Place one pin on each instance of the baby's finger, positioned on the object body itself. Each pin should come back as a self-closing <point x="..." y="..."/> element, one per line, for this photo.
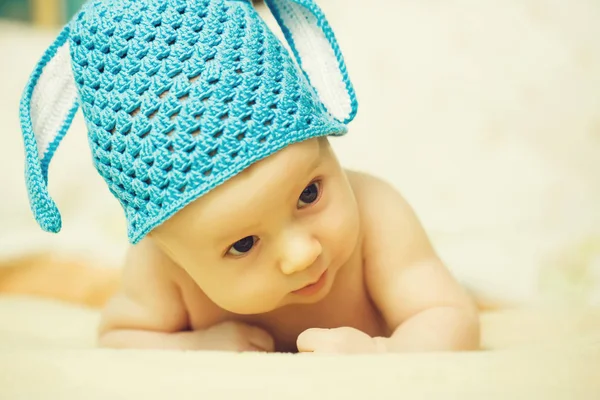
<point x="313" y="340"/>
<point x="260" y="339"/>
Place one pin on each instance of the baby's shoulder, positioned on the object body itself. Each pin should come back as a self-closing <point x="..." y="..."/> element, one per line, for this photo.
<point x="148" y="259"/>
<point x="151" y="270"/>
<point x="379" y="202"/>
<point x="371" y="191"/>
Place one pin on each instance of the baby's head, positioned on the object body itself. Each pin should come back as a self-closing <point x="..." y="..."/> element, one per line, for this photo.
<point x="204" y="127"/>
<point x="277" y="227"/>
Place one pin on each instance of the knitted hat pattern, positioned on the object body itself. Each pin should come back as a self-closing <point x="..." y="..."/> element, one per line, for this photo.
<point x="179" y="96"/>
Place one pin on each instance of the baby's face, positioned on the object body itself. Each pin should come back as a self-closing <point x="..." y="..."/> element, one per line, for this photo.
<point x="286" y="222"/>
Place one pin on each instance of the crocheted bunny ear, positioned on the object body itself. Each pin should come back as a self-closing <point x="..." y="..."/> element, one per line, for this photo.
<point x="47" y="108"/>
<point x="317" y="52"/>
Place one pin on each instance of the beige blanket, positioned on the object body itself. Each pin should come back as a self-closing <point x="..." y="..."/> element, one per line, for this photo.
<point x="47" y="352"/>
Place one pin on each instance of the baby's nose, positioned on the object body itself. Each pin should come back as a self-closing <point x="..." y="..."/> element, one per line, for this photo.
<point x="300" y="253"/>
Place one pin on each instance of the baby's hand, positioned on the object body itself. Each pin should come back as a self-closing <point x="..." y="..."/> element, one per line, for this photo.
<point x="234" y="336"/>
<point x="337" y="340"/>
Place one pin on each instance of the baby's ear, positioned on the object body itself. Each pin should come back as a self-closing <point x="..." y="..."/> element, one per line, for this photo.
<point x="318" y="54"/>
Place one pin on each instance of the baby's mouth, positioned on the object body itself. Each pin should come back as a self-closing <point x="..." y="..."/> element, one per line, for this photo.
<point x="313" y="288"/>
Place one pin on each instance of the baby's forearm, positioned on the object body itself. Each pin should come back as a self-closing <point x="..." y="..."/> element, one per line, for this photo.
<point x="224" y="336"/>
<point x="436" y="329"/>
<point x="140" y="339"/>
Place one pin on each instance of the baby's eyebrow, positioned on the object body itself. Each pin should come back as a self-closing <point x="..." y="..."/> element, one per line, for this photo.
<point x="311" y="164"/>
<point x="231" y="235"/>
<point x="316" y="161"/>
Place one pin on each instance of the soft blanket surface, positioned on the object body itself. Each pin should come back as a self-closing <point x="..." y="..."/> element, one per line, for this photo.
<point x="47" y="351"/>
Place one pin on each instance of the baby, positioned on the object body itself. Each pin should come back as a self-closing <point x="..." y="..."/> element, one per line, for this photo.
<point x="247" y="234"/>
<point x="293" y="253"/>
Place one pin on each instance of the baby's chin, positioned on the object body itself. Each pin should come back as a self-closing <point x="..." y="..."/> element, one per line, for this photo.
<point x="252" y="306"/>
<point x="289" y="299"/>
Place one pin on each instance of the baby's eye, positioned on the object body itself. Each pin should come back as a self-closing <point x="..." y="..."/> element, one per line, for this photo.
<point x="243" y="246"/>
<point x="309" y="195"/>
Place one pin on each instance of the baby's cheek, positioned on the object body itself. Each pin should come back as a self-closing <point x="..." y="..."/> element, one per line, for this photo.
<point x="241" y="294"/>
<point x="341" y="221"/>
<point x="340" y="232"/>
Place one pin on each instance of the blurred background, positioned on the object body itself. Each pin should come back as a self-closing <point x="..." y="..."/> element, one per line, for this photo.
<point x="485" y="115"/>
<point x="48" y="13"/>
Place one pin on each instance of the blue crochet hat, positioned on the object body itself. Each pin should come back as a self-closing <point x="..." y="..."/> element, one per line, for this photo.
<point x="178" y="96"/>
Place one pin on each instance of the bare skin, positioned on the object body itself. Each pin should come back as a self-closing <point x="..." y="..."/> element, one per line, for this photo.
<point x="224" y="272"/>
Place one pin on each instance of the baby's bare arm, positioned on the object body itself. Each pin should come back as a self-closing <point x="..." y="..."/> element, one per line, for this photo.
<point x="148" y="307"/>
<point x="420" y="300"/>
<point x="149" y="312"/>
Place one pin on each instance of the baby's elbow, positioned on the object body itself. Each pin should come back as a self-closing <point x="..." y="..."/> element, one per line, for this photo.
<point x="112" y="320"/>
<point x="105" y="340"/>
<point x="116" y="339"/>
<point x="469" y="325"/>
<point x="462" y="327"/>
<point x="107" y="334"/>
